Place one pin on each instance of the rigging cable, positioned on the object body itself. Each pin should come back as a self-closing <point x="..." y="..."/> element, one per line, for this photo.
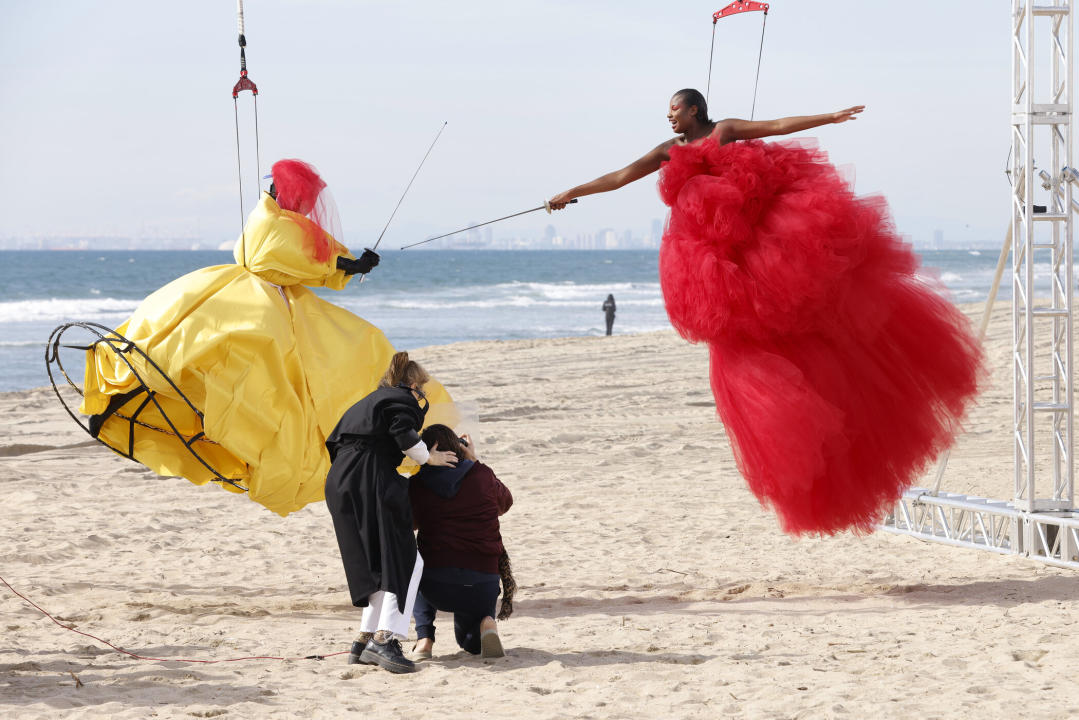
<point x="735" y="8"/>
<point x="760" y="54"/>
<point x="159" y="659"/>
<point x="711" y="54"/>
<point x="244" y="83"/>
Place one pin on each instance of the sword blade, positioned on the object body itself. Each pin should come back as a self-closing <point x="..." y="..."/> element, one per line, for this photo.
<point x="544" y="206"/>
<point x="409" y="186"/>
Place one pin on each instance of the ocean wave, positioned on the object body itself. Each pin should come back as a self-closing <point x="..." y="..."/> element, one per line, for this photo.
<point x="570" y="290"/>
<point x="21" y="343"/>
<point x="558" y="331"/>
<point x="495" y="303"/>
<point x="60" y="310"/>
<point x="966" y="295"/>
<point x="435" y="304"/>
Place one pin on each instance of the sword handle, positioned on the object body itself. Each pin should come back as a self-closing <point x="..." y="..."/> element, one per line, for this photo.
<point x="547" y="204"/>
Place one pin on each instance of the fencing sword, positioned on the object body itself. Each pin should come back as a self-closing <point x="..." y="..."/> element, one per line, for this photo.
<point x="407" y="188"/>
<point x="545" y="206"/>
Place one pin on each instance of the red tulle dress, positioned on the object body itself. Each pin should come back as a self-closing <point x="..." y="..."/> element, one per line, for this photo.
<point x="838" y="372"/>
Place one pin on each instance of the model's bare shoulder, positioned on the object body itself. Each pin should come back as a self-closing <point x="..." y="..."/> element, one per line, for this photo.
<point x="662" y="152"/>
<point x="726" y="130"/>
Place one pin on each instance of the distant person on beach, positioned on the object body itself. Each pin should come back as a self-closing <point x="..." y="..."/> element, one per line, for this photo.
<point x="608" y="311"/>
<point x="816" y="322"/>
<point x="368" y="501"/>
<point x="456" y="510"/>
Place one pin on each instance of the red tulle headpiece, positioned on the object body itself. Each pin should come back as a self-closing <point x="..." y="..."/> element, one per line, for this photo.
<point x="301" y="190"/>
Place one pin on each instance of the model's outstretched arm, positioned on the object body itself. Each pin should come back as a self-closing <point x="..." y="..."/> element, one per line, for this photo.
<point x="645" y="165"/>
<point x="733" y="129"/>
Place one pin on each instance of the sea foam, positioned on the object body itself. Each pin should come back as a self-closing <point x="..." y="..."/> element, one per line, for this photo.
<point x="62" y="310"/>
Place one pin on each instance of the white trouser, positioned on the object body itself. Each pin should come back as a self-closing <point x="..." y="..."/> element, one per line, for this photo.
<point x="381" y="612"/>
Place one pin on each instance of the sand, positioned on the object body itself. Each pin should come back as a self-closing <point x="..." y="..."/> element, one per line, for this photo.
<point x="652" y="584"/>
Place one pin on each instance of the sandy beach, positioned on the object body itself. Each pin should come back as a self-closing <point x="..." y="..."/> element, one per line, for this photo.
<point x="652" y="584"/>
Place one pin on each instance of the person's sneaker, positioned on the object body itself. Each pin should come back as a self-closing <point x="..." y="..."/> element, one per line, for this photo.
<point x="356" y="653"/>
<point x="491" y="645"/>
<point x="387" y="655"/>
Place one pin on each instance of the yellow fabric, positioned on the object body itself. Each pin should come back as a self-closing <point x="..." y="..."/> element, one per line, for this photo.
<point x="271" y="366"/>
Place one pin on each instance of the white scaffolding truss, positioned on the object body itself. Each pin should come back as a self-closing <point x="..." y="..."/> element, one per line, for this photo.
<point x="1040" y="521"/>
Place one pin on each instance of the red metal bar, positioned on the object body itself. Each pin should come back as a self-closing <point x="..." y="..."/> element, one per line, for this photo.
<point x="739" y="6"/>
<point x="244" y="84"/>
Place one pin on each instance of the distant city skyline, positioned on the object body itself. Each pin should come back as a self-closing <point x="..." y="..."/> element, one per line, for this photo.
<point x="486" y="239"/>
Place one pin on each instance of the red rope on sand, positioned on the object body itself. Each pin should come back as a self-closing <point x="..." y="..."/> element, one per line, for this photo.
<point x="141" y="657"/>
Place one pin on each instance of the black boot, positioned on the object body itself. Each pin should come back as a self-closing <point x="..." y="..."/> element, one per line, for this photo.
<point x="354" y="655"/>
<point x="387" y="655"/>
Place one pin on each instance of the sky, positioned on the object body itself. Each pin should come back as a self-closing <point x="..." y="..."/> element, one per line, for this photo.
<point x="116" y="118"/>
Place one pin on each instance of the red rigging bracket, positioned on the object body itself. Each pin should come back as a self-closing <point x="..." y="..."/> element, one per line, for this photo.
<point x="739" y="6"/>
<point x="736" y="8"/>
<point x="244" y="83"/>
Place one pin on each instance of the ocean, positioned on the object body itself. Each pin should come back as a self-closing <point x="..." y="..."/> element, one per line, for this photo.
<point x="418" y="298"/>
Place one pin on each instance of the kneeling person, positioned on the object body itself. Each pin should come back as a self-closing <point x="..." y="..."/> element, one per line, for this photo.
<point x="456" y="511"/>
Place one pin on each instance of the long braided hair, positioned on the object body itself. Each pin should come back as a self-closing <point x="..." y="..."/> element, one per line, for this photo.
<point x="509" y="586"/>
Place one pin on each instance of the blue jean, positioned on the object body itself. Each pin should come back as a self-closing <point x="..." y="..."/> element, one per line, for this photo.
<point x="469" y="595"/>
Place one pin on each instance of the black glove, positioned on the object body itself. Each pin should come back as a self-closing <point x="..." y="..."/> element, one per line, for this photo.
<point x="361" y="266"/>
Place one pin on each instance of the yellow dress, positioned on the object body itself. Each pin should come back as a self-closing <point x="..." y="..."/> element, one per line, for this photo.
<point x="271" y="366"/>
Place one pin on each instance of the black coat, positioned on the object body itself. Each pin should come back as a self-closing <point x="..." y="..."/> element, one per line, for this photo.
<point x="368" y="498"/>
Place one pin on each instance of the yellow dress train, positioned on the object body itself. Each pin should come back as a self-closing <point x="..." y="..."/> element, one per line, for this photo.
<point x="270" y="364"/>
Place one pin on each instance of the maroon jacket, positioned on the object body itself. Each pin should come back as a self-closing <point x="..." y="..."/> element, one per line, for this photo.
<point x="456" y="512"/>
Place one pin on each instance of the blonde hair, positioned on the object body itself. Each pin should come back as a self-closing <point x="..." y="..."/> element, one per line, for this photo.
<point x="403" y="370"/>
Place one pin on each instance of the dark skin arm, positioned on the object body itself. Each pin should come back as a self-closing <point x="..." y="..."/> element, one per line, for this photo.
<point x="727" y="131"/>
<point x="645" y="165"/>
<point x="734" y="129"/>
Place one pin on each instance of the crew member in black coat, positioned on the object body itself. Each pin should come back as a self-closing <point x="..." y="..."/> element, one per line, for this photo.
<point x="368" y="501"/>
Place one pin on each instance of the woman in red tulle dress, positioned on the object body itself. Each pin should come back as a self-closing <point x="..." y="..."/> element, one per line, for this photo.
<point x="838" y="372"/>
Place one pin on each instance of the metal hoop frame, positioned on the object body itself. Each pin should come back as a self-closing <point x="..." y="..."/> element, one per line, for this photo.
<point x="125" y="348"/>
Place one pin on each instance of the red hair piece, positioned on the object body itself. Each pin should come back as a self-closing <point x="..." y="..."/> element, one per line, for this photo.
<point x="302" y="190"/>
